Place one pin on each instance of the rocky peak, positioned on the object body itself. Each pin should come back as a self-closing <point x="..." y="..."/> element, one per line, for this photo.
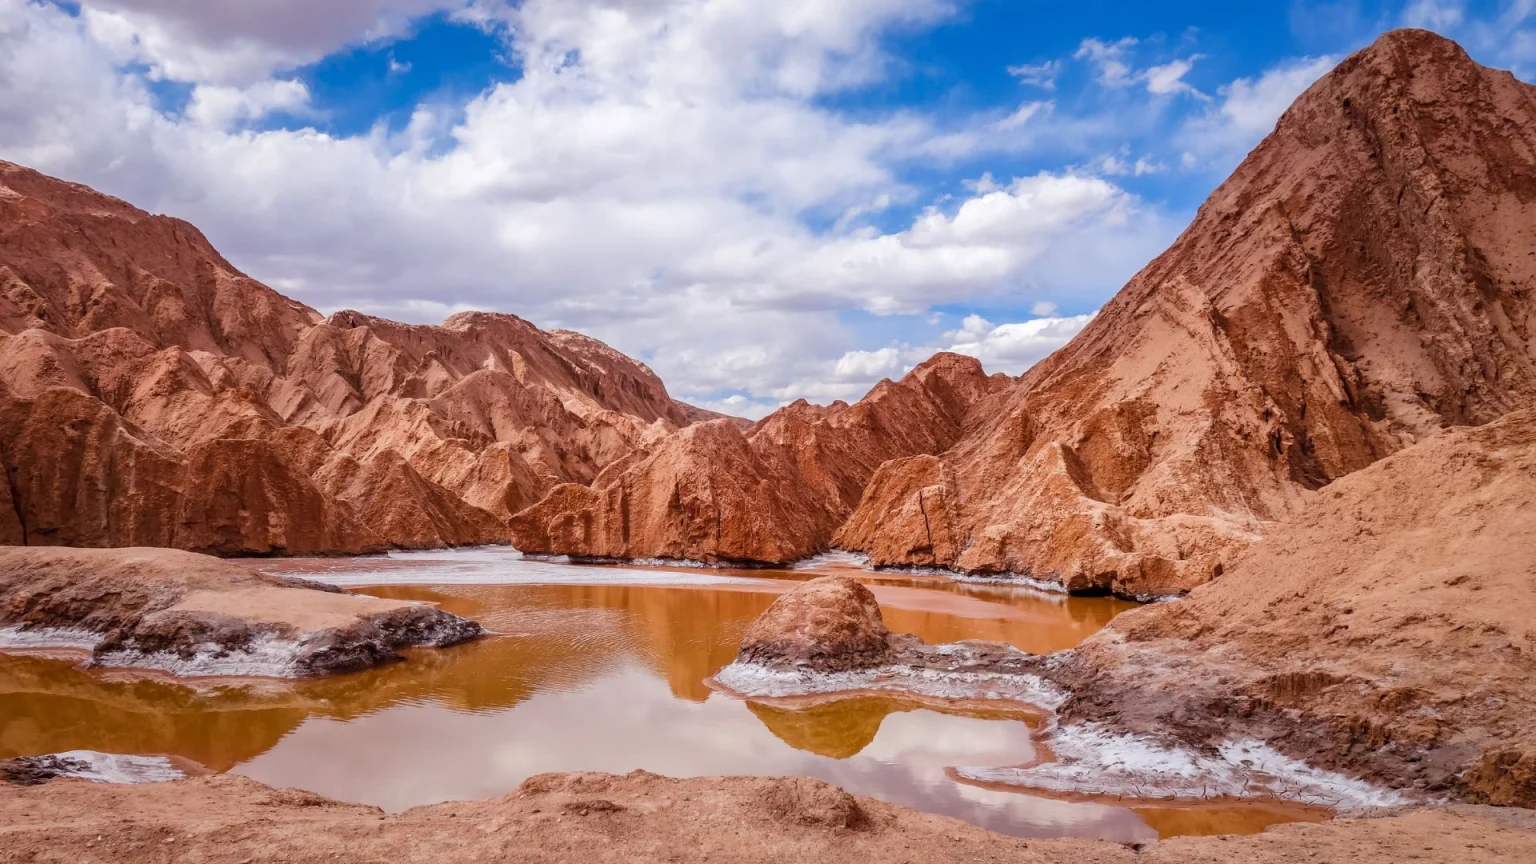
<point x="1363" y="280"/>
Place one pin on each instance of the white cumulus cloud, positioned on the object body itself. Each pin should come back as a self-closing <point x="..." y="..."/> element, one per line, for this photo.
<point x="1013" y="347"/>
<point x="1168" y="79"/>
<point x="223" y="107"/>
<point x="651" y="177"/>
<point x="1434" y="14"/>
<point x="1246" y="111"/>
<point x="1042" y="75"/>
<point x="1110" y="58"/>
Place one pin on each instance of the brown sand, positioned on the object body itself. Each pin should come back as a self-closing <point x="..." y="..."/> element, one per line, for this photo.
<point x="643" y="817"/>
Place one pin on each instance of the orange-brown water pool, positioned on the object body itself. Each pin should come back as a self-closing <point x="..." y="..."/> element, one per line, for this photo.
<point x="601" y="677"/>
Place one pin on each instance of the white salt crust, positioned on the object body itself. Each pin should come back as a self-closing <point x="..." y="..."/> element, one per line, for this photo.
<point x="267" y="657"/>
<point x="48" y="637"/>
<point x="1092" y="761"/>
<point x="501" y="565"/>
<point x="754" y="680"/>
<point x="855" y="559"/>
<point x="1018" y="580"/>
<point x="834" y="558"/>
<point x="117" y="768"/>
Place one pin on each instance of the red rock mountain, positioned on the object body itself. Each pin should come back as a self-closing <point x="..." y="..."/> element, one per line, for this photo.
<point x="772" y="493"/>
<point x="152" y="395"/>
<point x="1364" y="280"/>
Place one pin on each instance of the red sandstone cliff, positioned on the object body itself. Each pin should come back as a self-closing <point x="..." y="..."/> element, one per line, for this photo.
<point x="1363" y="280"/>
<point x="150" y="394"/>
<point x="769" y="494"/>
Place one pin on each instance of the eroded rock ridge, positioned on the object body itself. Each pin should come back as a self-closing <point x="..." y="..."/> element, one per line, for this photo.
<point x="153" y="395"/>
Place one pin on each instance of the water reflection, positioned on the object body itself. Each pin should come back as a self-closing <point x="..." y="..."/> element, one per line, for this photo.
<point x="603" y="677"/>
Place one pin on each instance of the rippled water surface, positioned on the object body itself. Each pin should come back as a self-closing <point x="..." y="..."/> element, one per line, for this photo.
<point x="601" y="669"/>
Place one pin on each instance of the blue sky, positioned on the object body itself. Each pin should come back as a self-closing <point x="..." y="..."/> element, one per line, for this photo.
<point x="763" y="201"/>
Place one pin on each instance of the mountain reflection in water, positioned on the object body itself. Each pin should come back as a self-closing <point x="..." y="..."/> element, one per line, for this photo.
<point x="599" y="677"/>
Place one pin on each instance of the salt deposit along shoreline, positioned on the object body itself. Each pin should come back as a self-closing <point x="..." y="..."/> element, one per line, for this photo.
<point x="1086" y="760"/>
<point x="194" y="615"/>
<point x="827" y="638"/>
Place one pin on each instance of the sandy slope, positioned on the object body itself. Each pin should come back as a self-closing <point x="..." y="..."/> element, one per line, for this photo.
<point x="1387" y="631"/>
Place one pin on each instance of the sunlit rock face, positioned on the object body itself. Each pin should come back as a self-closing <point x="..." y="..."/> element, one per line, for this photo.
<point x="770" y="494"/>
<point x="1362" y="281"/>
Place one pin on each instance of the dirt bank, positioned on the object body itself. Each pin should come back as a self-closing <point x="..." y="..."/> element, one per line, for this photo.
<point x="1386" y="632"/>
<point x="194" y="615"/>
<point x="643" y="817"/>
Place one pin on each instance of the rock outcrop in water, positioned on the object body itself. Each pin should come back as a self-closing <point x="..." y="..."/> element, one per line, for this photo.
<point x="831" y="624"/>
<point x="1364" y="279"/>
<point x="1386" y="630"/>
<point x="194" y="615"/>
<point x="152" y="395"/>
<point x="827" y="638"/>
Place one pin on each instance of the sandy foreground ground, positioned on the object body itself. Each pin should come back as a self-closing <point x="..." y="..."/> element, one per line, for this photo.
<point x="643" y="817"/>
